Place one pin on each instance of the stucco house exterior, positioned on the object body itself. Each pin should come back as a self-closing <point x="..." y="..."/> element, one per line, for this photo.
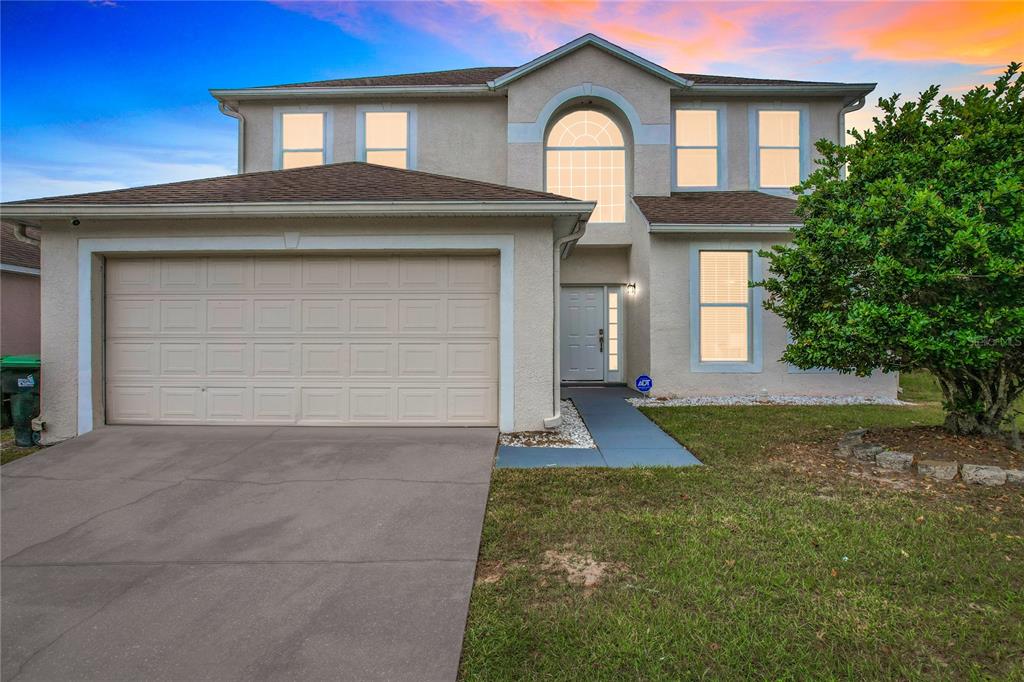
<point x="442" y="248"/>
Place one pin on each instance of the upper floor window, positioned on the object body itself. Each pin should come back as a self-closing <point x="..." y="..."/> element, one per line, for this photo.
<point x="779" y="149"/>
<point x="699" y="162"/>
<point x="386" y="138"/>
<point x="302" y="140"/>
<point x="585" y="158"/>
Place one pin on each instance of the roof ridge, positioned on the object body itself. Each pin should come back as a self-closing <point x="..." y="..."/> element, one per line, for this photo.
<point x="384" y="75"/>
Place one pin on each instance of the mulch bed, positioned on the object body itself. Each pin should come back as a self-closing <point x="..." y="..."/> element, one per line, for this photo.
<point x="934" y="442"/>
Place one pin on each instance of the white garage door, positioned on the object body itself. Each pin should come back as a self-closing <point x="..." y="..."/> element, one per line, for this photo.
<point x="338" y="340"/>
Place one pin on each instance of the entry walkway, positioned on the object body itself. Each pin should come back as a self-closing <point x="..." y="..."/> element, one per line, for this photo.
<point x="623" y="435"/>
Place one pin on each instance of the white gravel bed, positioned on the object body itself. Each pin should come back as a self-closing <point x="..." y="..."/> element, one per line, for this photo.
<point x="723" y="400"/>
<point x="572" y="433"/>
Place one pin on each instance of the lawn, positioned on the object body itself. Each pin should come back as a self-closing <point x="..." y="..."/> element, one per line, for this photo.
<point x="9" y="451"/>
<point x="750" y="567"/>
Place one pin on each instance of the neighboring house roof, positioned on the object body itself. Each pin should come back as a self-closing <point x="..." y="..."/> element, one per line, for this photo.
<point x="718" y="208"/>
<point x="15" y="252"/>
<point x="353" y="181"/>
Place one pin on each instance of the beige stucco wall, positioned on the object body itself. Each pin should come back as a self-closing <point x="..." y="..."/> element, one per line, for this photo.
<point x="670" y="338"/>
<point x="19" y="313"/>
<point x="534" y="299"/>
<point x="464" y="137"/>
<point x="596" y="265"/>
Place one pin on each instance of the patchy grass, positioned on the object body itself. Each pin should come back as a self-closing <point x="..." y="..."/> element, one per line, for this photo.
<point x="9" y="451"/>
<point x="921" y="387"/>
<point x="749" y="567"/>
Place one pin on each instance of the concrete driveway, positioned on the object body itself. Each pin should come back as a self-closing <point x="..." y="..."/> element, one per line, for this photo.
<point x="172" y="553"/>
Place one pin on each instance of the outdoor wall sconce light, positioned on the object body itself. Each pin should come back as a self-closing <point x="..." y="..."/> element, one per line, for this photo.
<point x="631" y="288"/>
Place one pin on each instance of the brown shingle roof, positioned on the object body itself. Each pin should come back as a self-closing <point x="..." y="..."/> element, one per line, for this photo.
<point x="352" y="181"/>
<point x="718" y="208"/>
<point x="482" y="74"/>
<point x="13" y="251"/>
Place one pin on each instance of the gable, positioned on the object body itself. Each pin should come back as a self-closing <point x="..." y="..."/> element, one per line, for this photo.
<point x="595" y="42"/>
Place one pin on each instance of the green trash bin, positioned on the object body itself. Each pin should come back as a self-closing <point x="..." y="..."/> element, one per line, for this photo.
<point x="19" y="383"/>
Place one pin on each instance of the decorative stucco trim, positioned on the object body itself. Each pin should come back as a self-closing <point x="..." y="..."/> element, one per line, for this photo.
<point x="20" y="269"/>
<point x="756" y="362"/>
<point x="601" y="44"/>
<point x="721" y="149"/>
<point x="643" y="133"/>
<point x="504" y="244"/>
<point x="328" y="115"/>
<point x="755" y="145"/>
<point x="411" y="123"/>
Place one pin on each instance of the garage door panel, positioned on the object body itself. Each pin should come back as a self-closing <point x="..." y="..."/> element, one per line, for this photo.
<point x="326" y="340"/>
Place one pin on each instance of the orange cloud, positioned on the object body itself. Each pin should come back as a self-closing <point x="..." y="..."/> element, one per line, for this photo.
<point x="962" y="32"/>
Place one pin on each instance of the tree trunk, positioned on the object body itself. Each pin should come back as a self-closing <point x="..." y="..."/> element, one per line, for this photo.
<point x="977" y="402"/>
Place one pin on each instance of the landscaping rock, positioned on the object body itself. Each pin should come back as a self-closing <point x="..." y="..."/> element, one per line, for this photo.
<point x="1014" y="476"/>
<point x="983" y="475"/>
<point x="866" y="452"/>
<point x="894" y="461"/>
<point x="937" y="469"/>
<point x="850" y="441"/>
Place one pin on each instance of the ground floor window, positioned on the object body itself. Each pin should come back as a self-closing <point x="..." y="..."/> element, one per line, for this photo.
<point x="613" y="330"/>
<point x="725" y="306"/>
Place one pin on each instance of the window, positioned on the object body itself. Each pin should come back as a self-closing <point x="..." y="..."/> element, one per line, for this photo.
<point x="613" y="330"/>
<point x="778" y="148"/>
<point x="386" y="140"/>
<point x="302" y="140"/>
<point x="725" y="306"/>
<point x="698" y="158"/>
<point x="586" y="159"/>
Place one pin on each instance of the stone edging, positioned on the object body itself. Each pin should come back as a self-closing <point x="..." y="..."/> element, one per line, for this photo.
<point x="852" y="446"/>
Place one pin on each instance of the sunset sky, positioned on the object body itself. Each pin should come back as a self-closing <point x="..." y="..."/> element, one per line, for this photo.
<point x="114" y="94"/>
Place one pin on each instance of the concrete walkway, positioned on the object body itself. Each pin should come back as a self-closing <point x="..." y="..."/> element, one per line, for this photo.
<point x="243" y="553"/>
<point x="623" y="435"/>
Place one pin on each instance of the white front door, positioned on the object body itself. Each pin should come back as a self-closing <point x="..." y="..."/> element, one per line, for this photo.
<point x="582" y="333"/>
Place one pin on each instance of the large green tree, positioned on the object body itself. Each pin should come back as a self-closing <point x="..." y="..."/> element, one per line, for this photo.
<point x="911" y="252"/>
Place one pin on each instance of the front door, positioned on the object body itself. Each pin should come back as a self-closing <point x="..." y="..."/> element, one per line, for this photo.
<point x="582" y="333"/>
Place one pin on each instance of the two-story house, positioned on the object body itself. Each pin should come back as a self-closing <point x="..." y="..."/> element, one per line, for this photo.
<point x="442" y="248"/>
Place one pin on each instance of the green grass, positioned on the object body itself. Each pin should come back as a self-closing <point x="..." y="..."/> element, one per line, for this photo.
<point x="9" y="451"/>
<point x="748" y="568"/>
<point x="920" y="387"/>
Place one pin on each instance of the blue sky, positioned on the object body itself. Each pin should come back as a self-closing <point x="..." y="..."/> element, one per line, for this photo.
<point x="103" y="95"/>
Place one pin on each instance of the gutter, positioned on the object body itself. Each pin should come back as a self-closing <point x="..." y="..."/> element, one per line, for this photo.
<point x="857" y="89"/>
<point x="696" y="228"/>
<point x="562" y="248"/>
<point x="349" y="91"/>
<point x="30" y="211"/>
<point x="19" y="269"/>
<point x="232" y="111"/>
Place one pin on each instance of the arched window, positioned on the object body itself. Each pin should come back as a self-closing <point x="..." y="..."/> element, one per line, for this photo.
<point x="586" y="159"/>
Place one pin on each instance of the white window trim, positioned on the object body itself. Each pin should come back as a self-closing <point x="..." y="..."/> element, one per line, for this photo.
<point x="302" y="109"/>
<point x="293" y="242"/>
<point x="723" y="142"/>
<point x="627" y="160"/>
<point x="755" y="145"/>
<point x="755" y="364"/>
<point x="410" y="139"/>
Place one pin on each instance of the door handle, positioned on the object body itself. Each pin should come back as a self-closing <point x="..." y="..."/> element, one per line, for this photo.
<point x="600" y="340"/>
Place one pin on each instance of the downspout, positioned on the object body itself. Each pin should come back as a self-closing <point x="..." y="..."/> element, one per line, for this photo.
<point x="556" y="396"/>
<point x="22" y="236"/>
<point x="855" y="105"/>
<point x="234" y="113"/>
